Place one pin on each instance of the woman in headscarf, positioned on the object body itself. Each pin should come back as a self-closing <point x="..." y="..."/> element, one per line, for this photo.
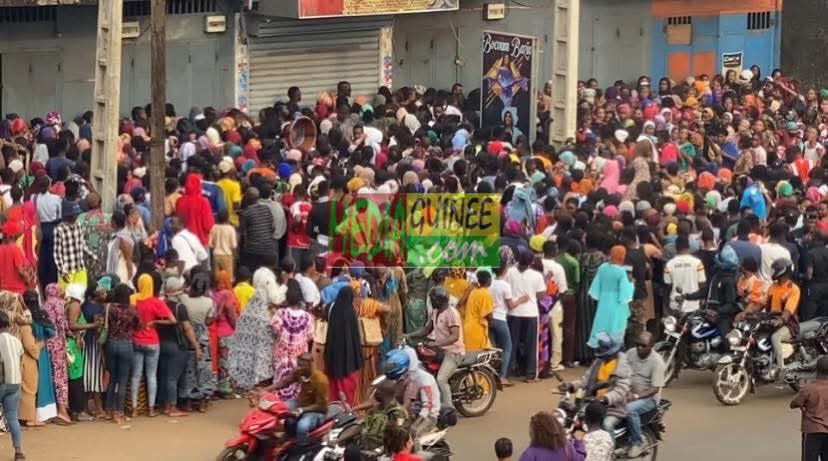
<point x="78" y="326"/>
<point x="343" y="348"/>
<point x="293" y="327"/>
<point x="369" y="308"/>
<point x="590" y="260"/>
<point x="641" y="166"/>
<point x="27" y="411"/>
<point x="96" y="226"/>
<point x="227" y="311"/>
<point x="613" y="291"/>
<point x="146" y="343"/>
<point x="251" y="352"/>
<point x="54" y="309"/>
<point x="43" y="391"/>
<point x="199" y="379"/>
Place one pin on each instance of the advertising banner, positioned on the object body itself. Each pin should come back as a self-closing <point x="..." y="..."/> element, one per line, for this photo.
<point x="508" y="88"/>
<point x="732" y="61"/>
<point x="327" y="8"/>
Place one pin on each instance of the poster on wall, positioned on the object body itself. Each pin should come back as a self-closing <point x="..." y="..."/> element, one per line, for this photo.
<point x="328" y="8"/>
<point x="508" y="85"/>
<point x="732" y="61"/>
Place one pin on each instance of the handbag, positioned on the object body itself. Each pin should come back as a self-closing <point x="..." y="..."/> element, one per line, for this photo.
<point x="103" y="332"/>
<point x="320" y="331"/>
<point x="370" y="331"/>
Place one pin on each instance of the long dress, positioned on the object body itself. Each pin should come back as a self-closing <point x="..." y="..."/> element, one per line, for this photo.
<point x="251" y="352"/>
<point x="613" y="290"/>
<point x="54" y="308"/>
<point x="393" y="321"/>
<point x="29" y="372"/>
<point x="46" y="408"/>
<point x="416" y="312"/>
<point x="589" y="263"/>
<point x="367" y="308"/>
<point x="199" y="379"/>
<point x="294" y="330"/>
<point x="93" y="372"/>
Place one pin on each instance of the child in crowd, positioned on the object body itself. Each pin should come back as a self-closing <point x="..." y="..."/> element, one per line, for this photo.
<point x="598" y="442"/>
<point x="503" y="449"/>
<point x="243" y="289"/>
<point x="223" y="242"/>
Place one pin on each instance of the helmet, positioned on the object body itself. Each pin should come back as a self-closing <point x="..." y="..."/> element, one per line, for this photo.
<point x="780" y="267"/>
<point x="438" y="296"/>
<point x="396" y="363"/>
<point x="606" y="346"/>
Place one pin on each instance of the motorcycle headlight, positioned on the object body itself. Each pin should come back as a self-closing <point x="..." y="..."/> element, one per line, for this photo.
<point x="734" y="338"/>
<point x="669" y="323"/>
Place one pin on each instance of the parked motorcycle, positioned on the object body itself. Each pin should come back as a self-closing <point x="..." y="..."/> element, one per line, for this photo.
<point x="258" y="439"/>
<point x="474" y="384"/>
<point x="570" y="414"/>
<point x="752" y="360"/>
<point x="693" y="341"/>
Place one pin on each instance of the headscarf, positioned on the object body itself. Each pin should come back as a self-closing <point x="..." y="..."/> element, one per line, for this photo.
<point x="223" y="280"/>
<point x="618" y="254"/>
<point x="343" y="348"/>
<point x="144" y="289"/>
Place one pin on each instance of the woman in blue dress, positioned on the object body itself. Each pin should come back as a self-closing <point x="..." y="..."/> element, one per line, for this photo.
<point x="613" y="290"/>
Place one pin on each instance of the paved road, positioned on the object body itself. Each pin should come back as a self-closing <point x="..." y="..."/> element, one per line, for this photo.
<point x="698" y="427"/>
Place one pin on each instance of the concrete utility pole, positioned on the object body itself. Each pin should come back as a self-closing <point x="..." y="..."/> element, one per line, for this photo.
<point x="565" y="71"/>
<point x="107" y="102"/>
<point x="158" y="56"/>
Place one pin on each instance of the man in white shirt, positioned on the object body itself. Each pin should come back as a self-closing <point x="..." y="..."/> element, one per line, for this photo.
<point x="310" y="292"/>
<point x="503" y="301"/>
<point x="190" y="250"/>
<point x="523" y="319"/>
<point x="773" y="250"/>
<point x="685" y="272"/>
<point x="553" y="270"/>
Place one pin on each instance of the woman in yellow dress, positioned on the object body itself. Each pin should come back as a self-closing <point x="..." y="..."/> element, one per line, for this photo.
<point x="478" y="312"/>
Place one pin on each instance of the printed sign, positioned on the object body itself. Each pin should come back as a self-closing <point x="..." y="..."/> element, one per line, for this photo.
<point x="507" y="83"/>
<point x="327" y="8"/>
<point x="732" y="61"/>
<point x="416" y="230"/>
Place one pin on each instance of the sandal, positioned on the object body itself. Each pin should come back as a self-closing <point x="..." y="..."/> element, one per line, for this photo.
<point x="19" y="456"/>
<point x="61" y="422"/>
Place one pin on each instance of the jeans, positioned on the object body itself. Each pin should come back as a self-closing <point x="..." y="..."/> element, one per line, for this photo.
<point x="10" y="400"/>
<point x="635" y="409"/>
<point x="172" y="363"/>
<point x="450" y="363"/>
<point x="118" y="363"/>
<point x="500" y="337"/>
<point x="306" y="423"/>
<point x="814" y="447"/>
<point x="777" y="338"/>
<point x="145" y="355"/>
<point x="524" y="331"/>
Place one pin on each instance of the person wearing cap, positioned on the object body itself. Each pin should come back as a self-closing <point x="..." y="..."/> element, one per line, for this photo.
<point x="70" y="247"/>
<point x="229" y="184"/>
<point x="15" y="273"/>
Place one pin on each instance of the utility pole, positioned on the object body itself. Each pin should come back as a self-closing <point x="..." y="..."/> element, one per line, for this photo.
<point x="564" y="71"/>
<point x="107" y="102"/>
<point x="158" y="56"/>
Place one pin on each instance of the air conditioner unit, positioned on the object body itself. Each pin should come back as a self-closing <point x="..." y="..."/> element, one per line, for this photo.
<point x="131" y="29"/>
<point x="215" y="24"/>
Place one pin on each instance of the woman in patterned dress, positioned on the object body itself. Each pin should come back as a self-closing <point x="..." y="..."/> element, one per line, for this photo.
<point x="199" y="379"/>
<point x="96" y="226"/>
<point x="54" y="308"/>
<point x="293" y="327"/>
<point x="227" y="311"/>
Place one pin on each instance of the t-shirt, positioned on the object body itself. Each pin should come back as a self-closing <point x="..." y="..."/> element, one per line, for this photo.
<point x="11" y="259"/>
<point x="554" y="269"/>
<point x="771" y="252"/>
<point x="501" y="291"/>
<point x="572" y="270"/>
<point x="529" y="282"/>
<point x="232" y="195"/>
<point x="686" y="272"/>
<point x="223" y="239"/>
<point x="443" y="321"/>
<point x="10" y="352"/>
<point x="746" y="249"/>
<point x="314" y="391"/>
<point x="646" y="373"/>
<point x="199" y="308"/>
<point x="189" y="248"/>
<point x="148" y="310"/>
<point x="310" y="292"/>
<point x="169" y="333"/>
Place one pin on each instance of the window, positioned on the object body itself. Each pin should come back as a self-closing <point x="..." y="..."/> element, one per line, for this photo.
<point x="759" y="20"/>
<point x="28" y="14"/>
<point x="679" y="20"/>
<point x="143" y="8"/>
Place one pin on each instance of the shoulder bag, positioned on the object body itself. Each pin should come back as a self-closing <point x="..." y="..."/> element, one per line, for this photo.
<point x="370" y="331"/>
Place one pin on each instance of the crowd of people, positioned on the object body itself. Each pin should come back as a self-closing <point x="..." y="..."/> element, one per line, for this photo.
<point x="667" y="194"/>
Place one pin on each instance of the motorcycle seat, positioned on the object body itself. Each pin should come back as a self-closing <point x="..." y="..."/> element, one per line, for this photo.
<point x="470" y="358"/>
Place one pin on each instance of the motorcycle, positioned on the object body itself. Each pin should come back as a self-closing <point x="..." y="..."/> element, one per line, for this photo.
<point x="258" y="439"/>
<point x="752" y="358"/>
<point x="570" y="413"/>
<point x="474" y="384"/>
<point x="693" y="341"/>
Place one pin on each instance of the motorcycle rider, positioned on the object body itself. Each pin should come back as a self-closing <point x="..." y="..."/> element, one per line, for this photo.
<point x="420" y="393"/>
<point x="311" y="405"/>
<point x="721" y="292"/>
<point x="445" y="332"/>
<point x="646" y="381"/>
<point x="783" y="296"/>
<point x="384" y="409"/>
<point x="608" y="378"/>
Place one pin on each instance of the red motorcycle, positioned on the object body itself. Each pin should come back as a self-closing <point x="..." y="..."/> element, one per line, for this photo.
<point x="258" y="439"/>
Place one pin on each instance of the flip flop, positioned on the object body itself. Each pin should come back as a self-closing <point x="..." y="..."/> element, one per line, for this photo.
<point x="61" y="422"/>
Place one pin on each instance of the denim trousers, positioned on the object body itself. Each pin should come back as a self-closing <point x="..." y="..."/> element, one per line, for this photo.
<point x="145" y="357"/>
<point x="502" y="339"/>
<point x="10" y="400"/>
<point x="118" y="363"/>
<point x="172" y="363"/>
<point x="635" y="409"/>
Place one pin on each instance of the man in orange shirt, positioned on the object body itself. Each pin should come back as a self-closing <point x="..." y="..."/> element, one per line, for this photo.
<point x="783" y="296"/>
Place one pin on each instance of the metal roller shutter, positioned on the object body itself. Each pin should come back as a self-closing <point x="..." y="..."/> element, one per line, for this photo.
<point x="313" y="55"/>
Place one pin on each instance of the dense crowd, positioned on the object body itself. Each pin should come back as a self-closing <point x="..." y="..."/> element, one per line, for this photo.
<point x="708" y="187"/>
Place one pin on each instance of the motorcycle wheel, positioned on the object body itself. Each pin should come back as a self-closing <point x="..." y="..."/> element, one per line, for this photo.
<point x="467" y="385"/>
<point x="731" y="383"/>
<point x="664" y="349"/>
<point x="236" y="453"/>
